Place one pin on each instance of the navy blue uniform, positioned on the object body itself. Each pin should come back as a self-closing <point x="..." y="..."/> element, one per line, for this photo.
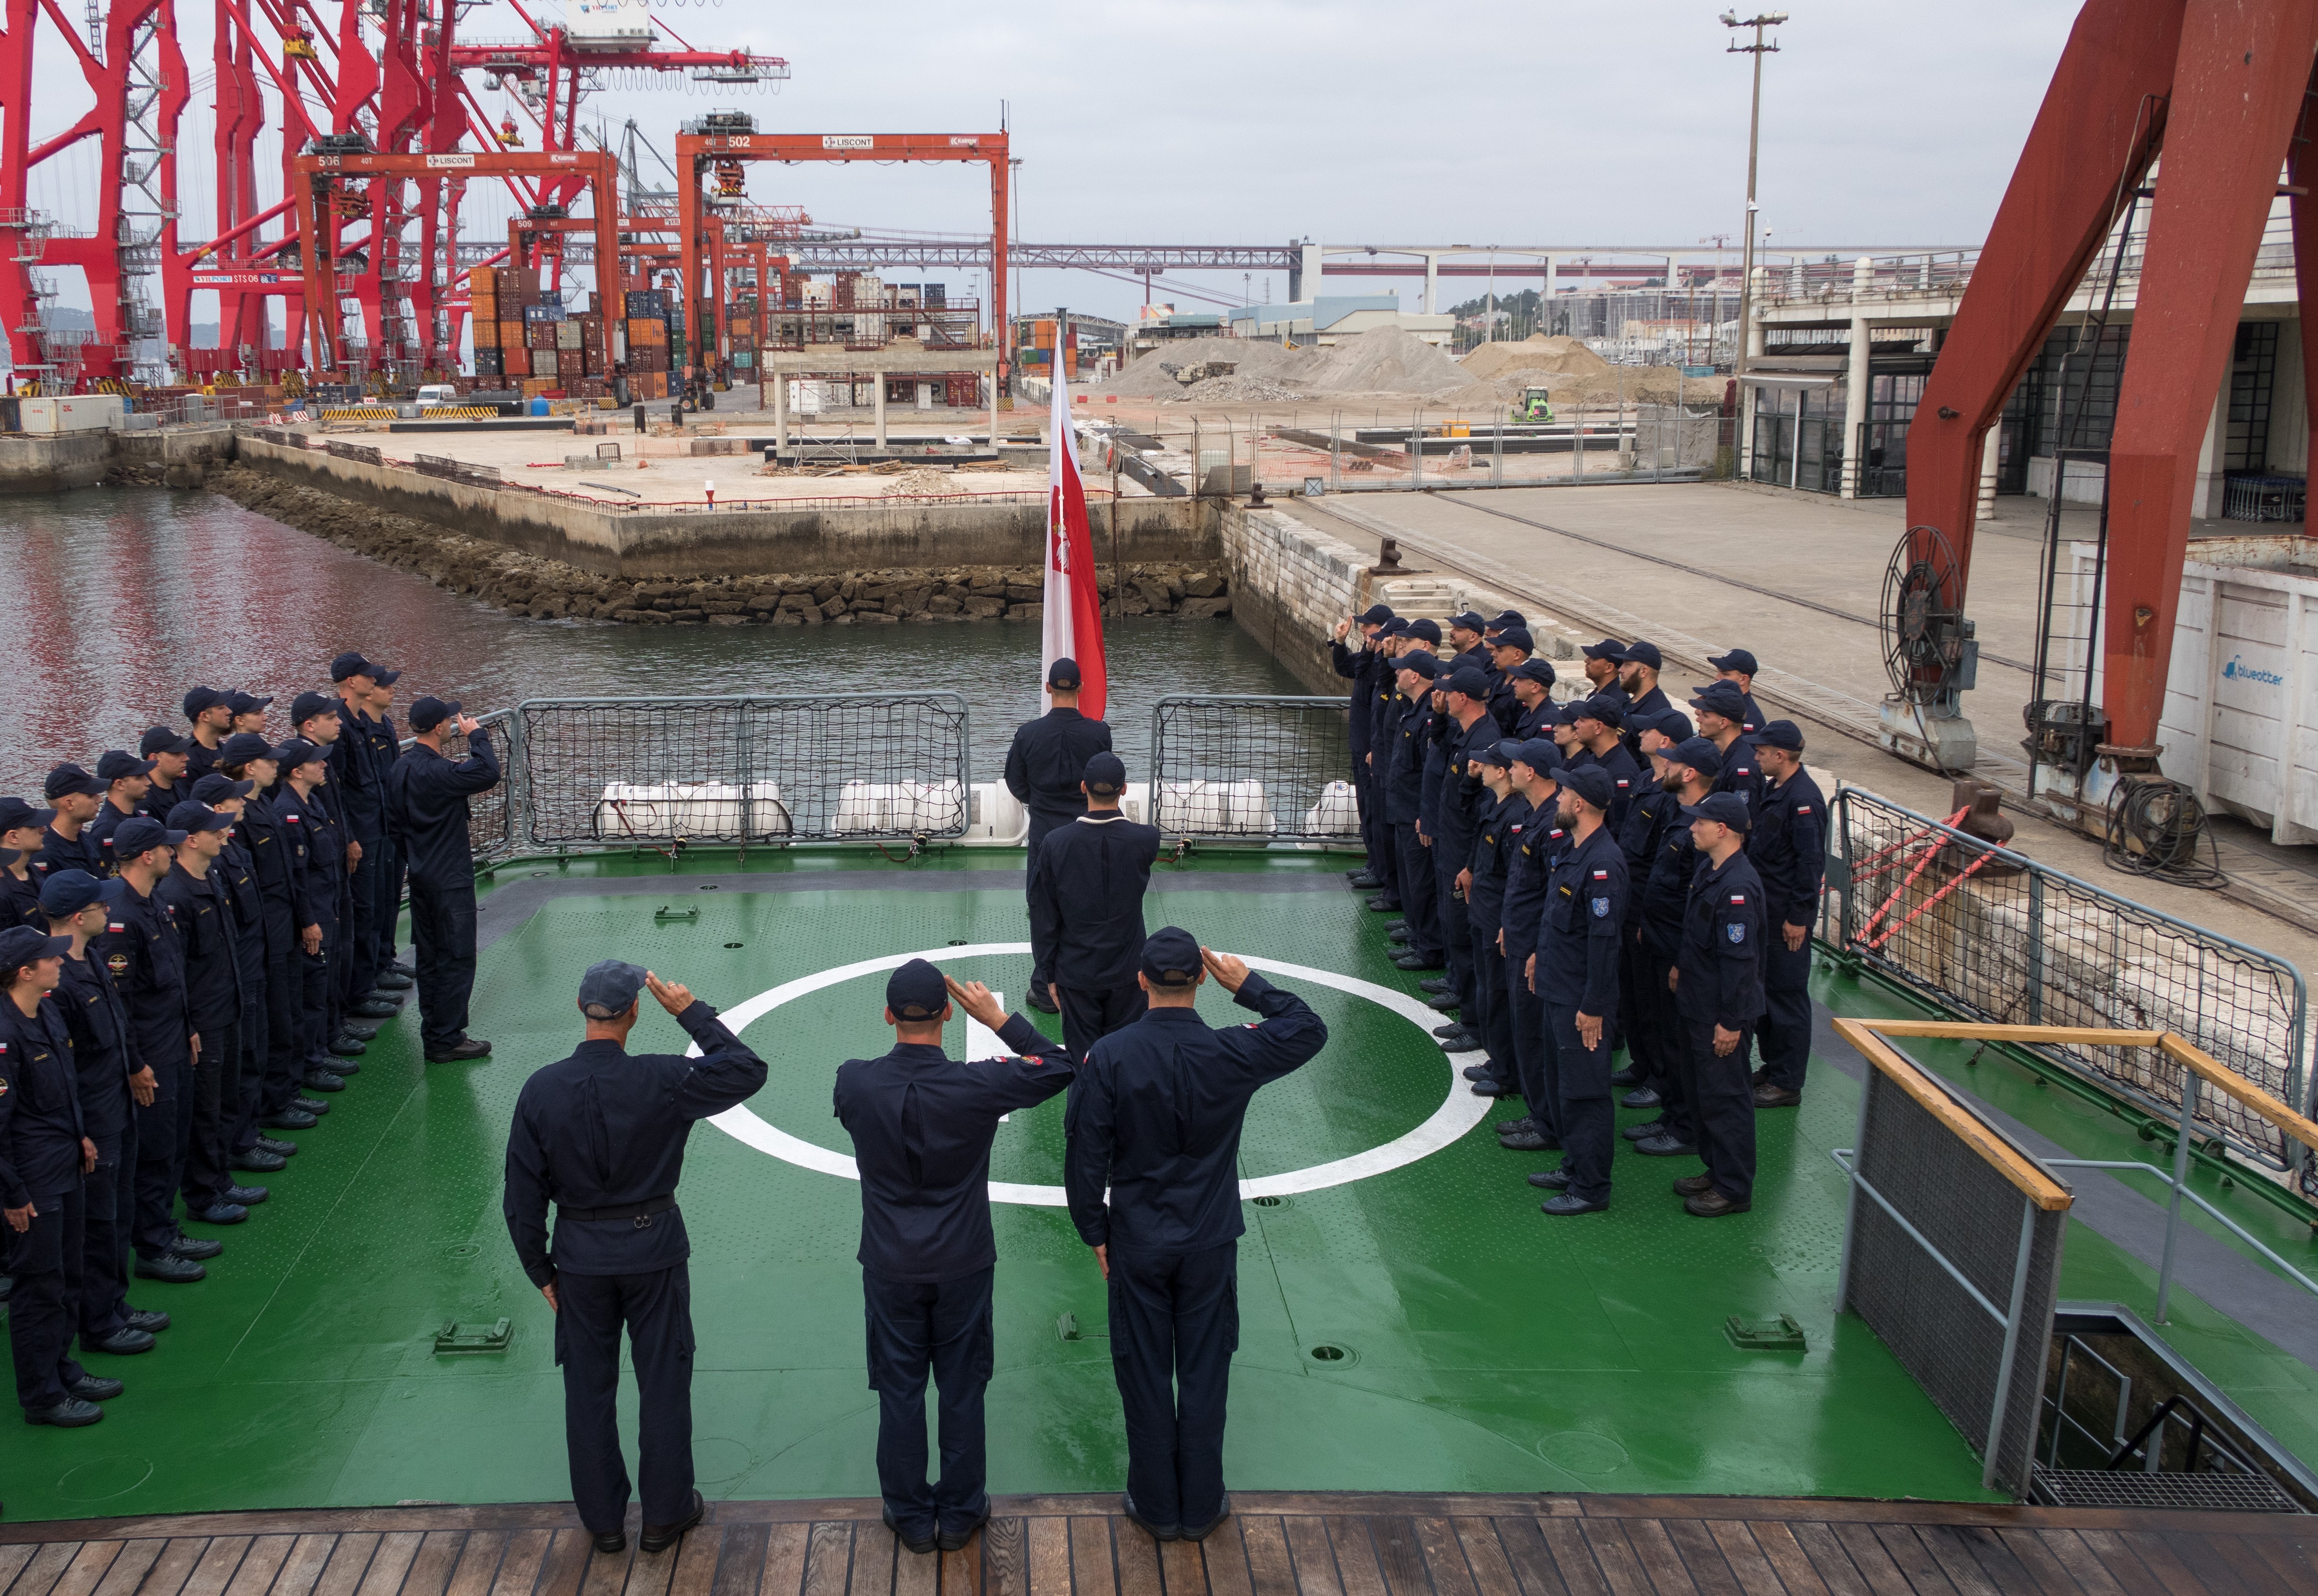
<point x="277" y="867"/>
<point x="1087" y="882"/>
<point x="19" y="899"/>
<point x="1383" y="723"/>
<point x="40" y="1164"/>
<point x="201" y="760"/>
<point x="1485" y="906"/>
<point x="427" y="807"/>
<point x="59" y="852"/>
<point x="143" y="953"/>
<point x="1538" y="843"/>
<point x="1577" y="974"/>
<point x="921" y="1124"/>
<point x="358" y="801"/>
<point x="1649" y="706"/>
<point x="1154" y="1116"/>
<point x="1665" y="893"/>
<point x="1741" y="774"/>
<point x="98" y="1027"/>
<point x="1456" y="818"/>
<point x="383" y="751"/>
<point x="324" y="902"/>
<point x="1646" y="1025"/>
<point x="238" y="875"/>
<point x="203" y="914"/>
<point x="1405" y="808"/>
<point x="1788" y="849"/>
<point x="1359" y="666"/>
<point x="1751" y="721"/>
<point x="99" y="832"/>
<point x="601" y="1135"/>
<point x="1721" y="983"/>
<point x="161" y="797"/>
<point x="1044" y="766"/>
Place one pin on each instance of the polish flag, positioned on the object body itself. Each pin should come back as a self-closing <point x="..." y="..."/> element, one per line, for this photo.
<point x="1074" y="605"/>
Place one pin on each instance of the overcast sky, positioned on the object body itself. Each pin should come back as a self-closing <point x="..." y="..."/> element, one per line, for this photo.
<point x="1353" y="122"/>
<point x="1350" y="123"/>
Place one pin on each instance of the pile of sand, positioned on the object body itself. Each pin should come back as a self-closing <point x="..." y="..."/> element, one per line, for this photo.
<point x="1559" y="356"/>
<point x="1238" y="389"/>
<point x="1382" y="360"/>
<point x="918" y="482"/>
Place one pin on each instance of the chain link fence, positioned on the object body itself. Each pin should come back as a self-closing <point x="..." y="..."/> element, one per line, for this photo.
<point x="1250" y="768"/>
<point x="1990" y="934"/>
<point x="656" y="772"/>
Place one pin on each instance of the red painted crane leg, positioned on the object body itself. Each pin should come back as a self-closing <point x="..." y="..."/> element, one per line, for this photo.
<point x="2237" y="97"/>
<point x="2096" y="124"/>
<point x="2302" y="171"/>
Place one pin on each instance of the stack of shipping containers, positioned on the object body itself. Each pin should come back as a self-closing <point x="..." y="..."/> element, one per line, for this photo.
<point x="648" y="344"/>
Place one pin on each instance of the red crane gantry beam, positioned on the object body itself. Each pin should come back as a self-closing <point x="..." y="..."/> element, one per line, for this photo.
<point x="312" y="176"/>
<point x="2221" y="88"/>
<point x="694" y="150"/>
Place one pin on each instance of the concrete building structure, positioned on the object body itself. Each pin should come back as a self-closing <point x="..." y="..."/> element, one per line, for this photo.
<point x="1838" y="351"/>
<point x="1331" y="319"/>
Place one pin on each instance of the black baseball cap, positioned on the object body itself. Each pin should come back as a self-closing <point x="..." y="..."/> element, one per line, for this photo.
<point x="1508" y="618"/>
<point x="1171" y="957"/>
<point x="1701" y="755"/>
<point x="1640" y="652"/>
<point x="1673" y="725"/>
<point x="1517" y="637"/>
<point x="307" y="705"/>
<point x="16" y="813"/>
<point x="1419" y="660"/>
<point x="216" y="787"/>
<point x="1781" y="734"/>
<point x="298" y="751"/>
<point x="1426" y="629"/>
<point x="1062" y="673"/>
<point x="1604" y="708"/>
<point x="1470" y="619"/>
<point x="1609" y="648"/>
<point x="242" y="747"/>
<point x="115" y="765"/>
<point x="200" y="700"/>
<point x="609" y="987"/>
<point x="244" y="704"/>
<point x="1376" y="614"/>
<point x="430" y="713"/>
<point x="351" y="664"/>
<point x="1534" y="670"/>
<point x="1541" y="754"/>
<point x="192" y="816"/>
<point x="917" y="991"/>
<point x="1729" y="808"/>
<point x="1106" y="773"/>
<point x="142" y="834"/>
<point x="1472" y="682"/>
<point x="1491" y="754"/>
<point x="1590" y="783"/>
<point x="1738" y="660"/>
<point x="1720" y="697"/>
<point x="1395" y="627"/>
<point x="68" y="778"/>
<point x="21" y="945"/>
<point x="68" y="891"/>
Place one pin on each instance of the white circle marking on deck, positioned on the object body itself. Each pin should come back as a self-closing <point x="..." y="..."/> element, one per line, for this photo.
<point x="1459" y="1113"/>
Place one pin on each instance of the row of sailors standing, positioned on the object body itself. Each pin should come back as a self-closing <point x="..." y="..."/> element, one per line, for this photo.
<point x="1599" y="874"/>
<point x="195" y="945"/>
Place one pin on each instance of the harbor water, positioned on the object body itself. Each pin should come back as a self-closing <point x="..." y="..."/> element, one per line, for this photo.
<point x="125" y="597"/>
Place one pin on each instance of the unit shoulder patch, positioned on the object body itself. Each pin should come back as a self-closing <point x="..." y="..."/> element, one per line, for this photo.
<point x="1737" y="930"/>
<point x="118" y="963"/>
<point x="1601" y="908"/>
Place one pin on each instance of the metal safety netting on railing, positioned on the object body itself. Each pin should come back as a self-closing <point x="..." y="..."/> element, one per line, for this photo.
<point x="1250" y="768"/>
<point x="851" y="767"/>
<point x="1986" y="932"/>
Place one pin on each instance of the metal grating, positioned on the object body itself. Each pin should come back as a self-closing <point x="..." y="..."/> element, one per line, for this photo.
<point x="1971" y="1215"/>
<point x="2206" y="1491"/>
<point x="1992" y="934"/>
<point x="1244" y="768"/>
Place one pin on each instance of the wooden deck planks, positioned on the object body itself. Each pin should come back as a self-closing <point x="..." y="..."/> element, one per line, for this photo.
<point x="1277" y="1544"/>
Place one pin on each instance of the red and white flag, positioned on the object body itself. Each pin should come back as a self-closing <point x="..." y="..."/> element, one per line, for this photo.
<point x="1074" y="605"/>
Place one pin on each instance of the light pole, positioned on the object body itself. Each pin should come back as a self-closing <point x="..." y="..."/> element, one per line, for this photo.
<point x="1758" y="50"/>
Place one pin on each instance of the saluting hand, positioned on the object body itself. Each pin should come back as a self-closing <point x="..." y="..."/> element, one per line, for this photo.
<point x="975" y="998"/>
<point x="1229" y="972"/>
<point x="1344" y="629"/>
<point x="673" y="996"/>
<point x="468" y="725"/>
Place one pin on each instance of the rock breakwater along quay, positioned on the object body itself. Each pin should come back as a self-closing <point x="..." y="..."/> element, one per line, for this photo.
<point x="528" y="586"/>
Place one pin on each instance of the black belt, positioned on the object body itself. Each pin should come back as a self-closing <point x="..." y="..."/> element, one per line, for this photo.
<point x="641" y="1212"/>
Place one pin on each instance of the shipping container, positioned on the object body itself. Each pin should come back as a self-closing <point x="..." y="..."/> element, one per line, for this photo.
<point x="79" y="412"/>
<point x="515" y="362"/>
<point x="648" y="385"/>
<point x="546" y="362"/>
<point x="487" y="333"/>
<point x="566" y="334"/>
<point x="541" y="311"/>
<point x="488" y="364"/>
<point x="647" y="303"/>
